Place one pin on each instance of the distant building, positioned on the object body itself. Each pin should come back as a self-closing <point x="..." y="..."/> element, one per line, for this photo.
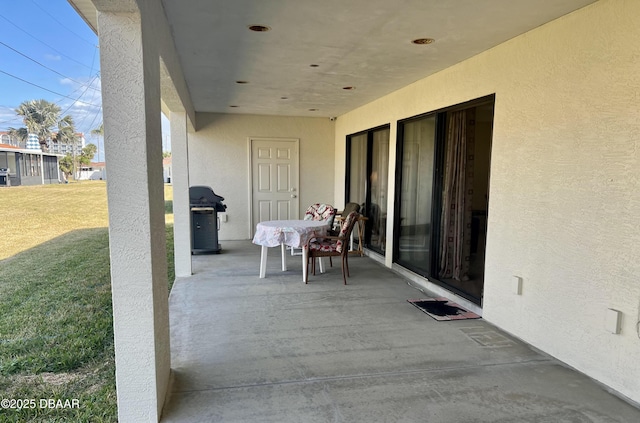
<point x="55" y="146"/>
<point x="8" y="139"/>
<point x="166" y="169"/>
<point x="28" y="166"/>
<point x="64" y="148"/>
<point x="96" y="171"/>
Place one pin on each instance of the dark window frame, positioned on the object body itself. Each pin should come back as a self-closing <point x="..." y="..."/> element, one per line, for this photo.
<point x="369" y="168"/>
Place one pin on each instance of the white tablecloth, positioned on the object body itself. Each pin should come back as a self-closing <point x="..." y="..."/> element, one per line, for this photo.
<point x="295" y="233"/>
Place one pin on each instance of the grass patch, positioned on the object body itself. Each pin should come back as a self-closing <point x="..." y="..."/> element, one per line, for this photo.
<point x="57" y="328"/>
<point x="56" y="331"/>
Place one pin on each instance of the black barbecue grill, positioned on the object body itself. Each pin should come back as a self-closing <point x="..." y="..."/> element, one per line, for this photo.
<point x="205" y="205"/>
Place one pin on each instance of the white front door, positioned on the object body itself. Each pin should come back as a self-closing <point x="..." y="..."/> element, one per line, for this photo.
<point x="274" y="179"/>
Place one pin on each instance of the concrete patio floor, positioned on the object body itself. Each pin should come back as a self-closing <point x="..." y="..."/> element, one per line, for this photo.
<point x="246" y="349"/>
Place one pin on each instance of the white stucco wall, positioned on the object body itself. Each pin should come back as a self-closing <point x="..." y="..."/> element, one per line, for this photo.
<point x="565" y="193"/>
<point x="219" y="158"/>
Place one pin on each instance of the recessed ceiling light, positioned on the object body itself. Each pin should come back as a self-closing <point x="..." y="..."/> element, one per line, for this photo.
<point x="242" y="82"/>
<point x="313" y="65"/>
<point x="348" y="88"/>
<point x="423" y="41"/>
<point x="259" y="28"/>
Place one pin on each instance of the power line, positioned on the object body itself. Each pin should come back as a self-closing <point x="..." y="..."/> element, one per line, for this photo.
<point x="80" y="96"/>
<point x="93" y="94"/>
<point x="42" y="42"/>
<point x="46" y="89"/>
<point x="94" y="118"/>
<point x="4" y="122"/>
<point x="72" y="103"/>
<point x="55" y="102"/>
<point x="63" y="25"/>
<point x="46" y="67"/>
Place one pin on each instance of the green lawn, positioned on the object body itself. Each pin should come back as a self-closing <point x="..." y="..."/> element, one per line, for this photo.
<point x="56" y="333"/>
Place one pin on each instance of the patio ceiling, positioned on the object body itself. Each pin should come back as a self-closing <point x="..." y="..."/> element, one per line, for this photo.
<point x="365" y="44"/>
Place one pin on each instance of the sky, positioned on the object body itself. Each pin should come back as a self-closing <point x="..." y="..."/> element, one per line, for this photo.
<point x="48" y="52"/>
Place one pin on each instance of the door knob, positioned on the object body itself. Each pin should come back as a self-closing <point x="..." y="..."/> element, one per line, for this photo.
<point x="293" y="196"/>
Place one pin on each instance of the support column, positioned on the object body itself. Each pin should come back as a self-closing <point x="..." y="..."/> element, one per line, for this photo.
<point x="180" y="181"/>
<point x="133" y="152"/>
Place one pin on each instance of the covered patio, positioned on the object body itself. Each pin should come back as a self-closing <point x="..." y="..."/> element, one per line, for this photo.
<point x="279" y="105"/>
<point x="276" y="350"/>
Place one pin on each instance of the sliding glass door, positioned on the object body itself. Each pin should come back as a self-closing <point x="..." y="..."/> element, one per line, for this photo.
<point x="415" y="175"/>
<point x="442" y="194"/>
<point x="367" y="180"/>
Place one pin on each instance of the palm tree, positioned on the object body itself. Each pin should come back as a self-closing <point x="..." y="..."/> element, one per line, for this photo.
<point x="40" y="117"/>
<point x="99" y="132"/>
<point x="21" y="134"/>
<point x="67" y="134"/>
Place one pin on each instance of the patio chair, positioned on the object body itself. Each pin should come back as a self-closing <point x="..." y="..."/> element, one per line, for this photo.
<point x="330" y="245"/>
<point x="318" y="212"/>
<point x="348" y="208"/>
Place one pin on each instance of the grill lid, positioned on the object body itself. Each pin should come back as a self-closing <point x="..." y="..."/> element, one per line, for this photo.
<point x="203" y="196"/>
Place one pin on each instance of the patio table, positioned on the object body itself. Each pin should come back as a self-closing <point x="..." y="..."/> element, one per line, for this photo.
<point x="294" y="233"/>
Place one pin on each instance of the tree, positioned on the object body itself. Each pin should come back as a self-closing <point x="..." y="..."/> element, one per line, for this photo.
<point x="40" y="117"/>
<point x="21" y="134"/>
<point x="166" y="154"/>
<point x="99" y="132"/>
<point x="67" y="134"/>
<point x="87" y="154"/>
<point x="66" y="165"/>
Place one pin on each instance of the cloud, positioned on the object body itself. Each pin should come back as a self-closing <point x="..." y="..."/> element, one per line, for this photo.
<point x="84" y="104"/>
<point x="9" y="118"/>
<point x="53" y="57"/>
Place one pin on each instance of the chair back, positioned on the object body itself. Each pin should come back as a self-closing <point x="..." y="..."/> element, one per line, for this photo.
<point x="350" y="207"/>
<point x="345" y="231"/>
<point x="321" y="212"/>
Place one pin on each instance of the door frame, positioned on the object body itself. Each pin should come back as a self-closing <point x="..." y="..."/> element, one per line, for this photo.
<point x="250" y="140"/>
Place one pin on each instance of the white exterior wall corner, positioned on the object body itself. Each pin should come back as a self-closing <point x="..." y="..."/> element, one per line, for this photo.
<point x="219" y="158"/>
<point x="564" y="192"/>
<point x="131" y="100"/>
<point x="175" y="92"/>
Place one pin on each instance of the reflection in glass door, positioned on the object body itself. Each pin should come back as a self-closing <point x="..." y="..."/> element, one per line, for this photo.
<point x="379" y="180"/>
<point x="417" y="149"/>
<point x="368" y="170"/>
<point x="357" y="154"/>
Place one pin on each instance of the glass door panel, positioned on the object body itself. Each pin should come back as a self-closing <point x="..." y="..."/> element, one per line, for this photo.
<point x="368" y="170"/>
<point x="379" y="181"/>
<point x="416" y="194"/>
<point x="358" y="169"/>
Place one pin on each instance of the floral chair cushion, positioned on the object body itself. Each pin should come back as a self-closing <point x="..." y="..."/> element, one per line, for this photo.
<point x="326" y="246"/>
<point x="321" y="212"/>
